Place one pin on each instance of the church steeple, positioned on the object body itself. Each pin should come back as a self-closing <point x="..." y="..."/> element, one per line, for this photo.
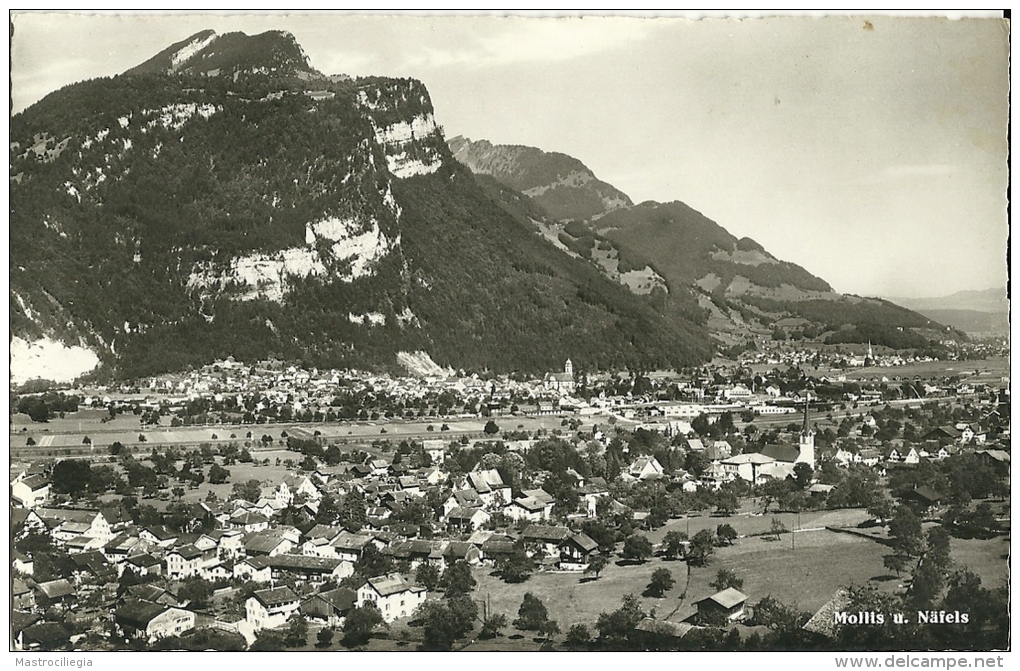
<point x="806" y="443"/>
<point x="807" y="402"/>
<point x="568" y="368"/>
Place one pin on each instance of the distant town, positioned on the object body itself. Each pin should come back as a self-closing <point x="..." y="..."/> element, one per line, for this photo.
<point x="265" y="506"/>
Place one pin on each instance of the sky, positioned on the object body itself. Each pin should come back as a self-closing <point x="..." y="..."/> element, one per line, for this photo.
<point x="870" y="150"/>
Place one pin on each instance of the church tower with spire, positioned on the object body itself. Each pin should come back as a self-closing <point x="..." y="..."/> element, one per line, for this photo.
<point x="806" y="443"/>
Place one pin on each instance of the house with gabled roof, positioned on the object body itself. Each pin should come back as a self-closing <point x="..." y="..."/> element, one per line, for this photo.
<point x="727" y="605"/>
<point x="394" y="596"/>
<point x="576" y="550"/>
<point x="68" y="523"/>
<point x="59" y="591"/>
<point x="152" y="621"/>
<point x="464" y="498"/>
<point x="350" y="546"/>
<point x="183" y="562"/>
<point x="158" y="535"/>
<point x="489" y="485"/>
<point x="255" y="569"/>
<point x="544" y="539"/>
<point x="293" y="485"/>
<point x="467" y="519"/>
<point x="93" y="567"/>
<point x="311" y="569"/>
<point x="249" y="522"/>
<point x="144" y="564"/>
<point x="26" y="520"/>
<point x="331" y="606"/>
<point x="271" y="608"/>
<point x="268" y="543"/>
<point x="645" y="468"/>
<point x="32" y="491"/>
<point x="749" y="466"/>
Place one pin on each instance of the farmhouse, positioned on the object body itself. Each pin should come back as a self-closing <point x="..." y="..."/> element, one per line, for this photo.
<point x="394" y="596"/>
<point x="727" y="605"/>
<point x="152" y="621"/>
<point x="332" y="606"/>
<point x="271" y="608"/>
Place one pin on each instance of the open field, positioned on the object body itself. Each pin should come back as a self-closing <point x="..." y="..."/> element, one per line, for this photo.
<point x="807" y="576"/>
<point x="752" y="524"/>
<point x="988" y="370"/>
<point x="988" y="558"/>
<point x="68" y="433"/>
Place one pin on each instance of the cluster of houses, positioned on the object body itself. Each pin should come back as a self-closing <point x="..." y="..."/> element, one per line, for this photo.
<point x="241" y="540"/>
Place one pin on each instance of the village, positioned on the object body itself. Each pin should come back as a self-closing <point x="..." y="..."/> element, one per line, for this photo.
<point x="266" y="507"/>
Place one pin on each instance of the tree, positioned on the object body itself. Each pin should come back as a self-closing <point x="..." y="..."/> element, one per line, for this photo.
<point x="532" y="613"/>
<point x="881" y="508"/>
<point x="353" y="511"/>
<point x="662" y="581"/>
<point x="616" y="628"/>
<point x="491" y="428"/>
<point x="296" y="633"/>
<point x="373" y="563"/>
<point x="218" y="475"/>
<point x="445" y="621"/>
<point x="777" y="529"/>
<point x="428" y="576"/>
<point x="637" y="546"/>
<point x="324" y="637"/>
<point x="359" y="624"/>
<point x="492" y="625"/>
<point x="249" y="491"/>
<point x="726" y="534"/>
<point x="457" y="579"/>
<point x="549" y="629"/>
<point x="701" y="547"/>
<point x="905" y="530"/>
<point x="726" y="503"/>
<point x="328" y="511"/>
<point x="774" y="614"/>
<point x="71" y="477"/>
<point x="674" y="543"/>
<point x="725" y="578"/>
<point x="596" y="565"/>
<point x="196" y="591"/>
<point x="896" y="562"/>
<point x="516" y="566"/>
<point x="578" y="636"/>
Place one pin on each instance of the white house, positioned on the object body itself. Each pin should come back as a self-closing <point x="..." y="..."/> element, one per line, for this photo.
<point x="32" y="491"/>
<point x="392" y="595"/>
<point x="271" y="608"/>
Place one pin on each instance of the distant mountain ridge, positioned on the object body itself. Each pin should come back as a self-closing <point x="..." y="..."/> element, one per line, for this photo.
<point x="675" y="250"/>
<point x="972" y="311"/>
<point x="983" y="300"/>
<point x="563" y="186"/>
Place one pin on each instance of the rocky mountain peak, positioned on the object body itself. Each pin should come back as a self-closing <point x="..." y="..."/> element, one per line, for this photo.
<point x="274" y="52"/>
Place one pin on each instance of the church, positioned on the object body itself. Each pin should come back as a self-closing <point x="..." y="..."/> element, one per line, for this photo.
<point x="785" y="457"/>
<point x="562" y="383"/>
<point x="775" y="461"/>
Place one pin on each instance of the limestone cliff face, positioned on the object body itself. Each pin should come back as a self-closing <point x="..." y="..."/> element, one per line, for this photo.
<point x="224" y="198"/>
<point x="186" y="169"/>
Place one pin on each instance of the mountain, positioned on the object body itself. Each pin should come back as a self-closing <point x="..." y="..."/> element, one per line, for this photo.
<point x="993" y="300"/>
<point x="563" y="186"/>
<point x="671" y="249"/>
<point x="985" y="311"/>
<point x="223" y="198"/>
